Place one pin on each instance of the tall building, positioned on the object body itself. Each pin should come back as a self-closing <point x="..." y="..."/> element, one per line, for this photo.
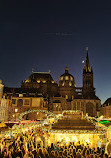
<point x="55" y="97"/>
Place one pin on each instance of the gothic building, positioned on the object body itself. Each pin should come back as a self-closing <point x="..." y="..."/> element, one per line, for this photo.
<point x="88" y="89"/>
<point x="56" y="97"/>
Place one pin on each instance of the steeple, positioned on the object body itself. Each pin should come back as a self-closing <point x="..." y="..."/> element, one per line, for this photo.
<point x="87" y="67"/>
<point x="88" y="90"/>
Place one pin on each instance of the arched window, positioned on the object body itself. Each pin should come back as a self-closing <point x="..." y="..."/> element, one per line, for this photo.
<point x="89" y="108"/>
<point x="70" y="84"/>
<point x="82" y="106"/>
<point x="20" y="104"/>
<point x="71" y="78"/>
<point x="61" y="78"/>
<point x="66" y="78"/>
<point x="78" y="105"/>
<point x="63" y="84"/>
<point x="74" y="106"/>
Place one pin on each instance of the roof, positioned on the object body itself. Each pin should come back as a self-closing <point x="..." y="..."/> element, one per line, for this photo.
<point x="107" y="102"/>
<point x="40" y="76"/>
<point x="66" y="73"/>
<point x="87" y="68"/>
<point x="73" y="124"/>
<point x="25" y="91"/>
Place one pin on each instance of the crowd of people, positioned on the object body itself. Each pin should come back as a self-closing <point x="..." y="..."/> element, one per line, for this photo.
<point x="31" y="144"/>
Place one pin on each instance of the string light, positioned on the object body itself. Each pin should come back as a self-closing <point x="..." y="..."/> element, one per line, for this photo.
<point x="18" y="128"/>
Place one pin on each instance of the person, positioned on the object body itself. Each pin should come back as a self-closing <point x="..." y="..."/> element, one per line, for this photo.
<point x="74" y="152"/>
<point x="105" y="156"/>
<point x="40" y="153"/>
<point x="78" y="154"/>
<point x="28" y="154"/>
<point x="19" y="153"/>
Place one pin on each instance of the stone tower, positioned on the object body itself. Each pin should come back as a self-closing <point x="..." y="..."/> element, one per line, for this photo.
<point x="88" y="91"/>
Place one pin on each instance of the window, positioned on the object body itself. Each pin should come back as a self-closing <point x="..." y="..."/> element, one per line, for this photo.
<point x="13" y="101"/>
<point x="74" y="106"/>
<point x="89" y="108"/>
<point x="63" y="84"/>
<point x="66" y="78"/>
<point x="66" y="96"/>
<point x="78" y="105"/>
<point x="61" y="78"/>
<point x="71" y="78"/>
<point x="26" y="102"/>
<point x="82" y="106"/>
<point x="70" y="84"/>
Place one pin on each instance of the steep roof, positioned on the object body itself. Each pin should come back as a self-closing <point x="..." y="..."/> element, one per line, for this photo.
<point x="40" y="76"/>
<point x="87" y="68"/>
<point x="107" y="102"/>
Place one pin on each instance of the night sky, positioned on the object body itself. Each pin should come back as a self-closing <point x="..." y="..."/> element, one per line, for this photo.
<point x="52" y="34"/>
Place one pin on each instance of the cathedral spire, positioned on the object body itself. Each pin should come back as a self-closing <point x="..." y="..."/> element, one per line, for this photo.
<point x="88" y="90"/>
<point x="87" y="67"/>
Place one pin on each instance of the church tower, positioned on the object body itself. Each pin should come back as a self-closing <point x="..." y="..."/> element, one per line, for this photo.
<point x="88" y="91"/>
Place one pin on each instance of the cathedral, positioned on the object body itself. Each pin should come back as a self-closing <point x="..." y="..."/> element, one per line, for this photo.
<point x="40" y="91"/>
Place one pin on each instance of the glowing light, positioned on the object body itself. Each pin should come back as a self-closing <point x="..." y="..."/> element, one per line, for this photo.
<point x="66" y="78"/>
<point x="87" y="140"/>
<point x="26" y="81"/>
<point x="61" y="78"/>
<point x="75" y="139"/>
<point x="70" y="84"/>
<point x="104" y="122"/>
<point x="63" y="84"/>
<point x="16" y="110"/>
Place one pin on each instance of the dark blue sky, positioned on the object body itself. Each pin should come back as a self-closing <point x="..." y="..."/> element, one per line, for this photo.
<point x="29" y="39"/>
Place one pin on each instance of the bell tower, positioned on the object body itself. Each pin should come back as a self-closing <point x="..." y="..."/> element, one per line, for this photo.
<point x="88" y="91"/>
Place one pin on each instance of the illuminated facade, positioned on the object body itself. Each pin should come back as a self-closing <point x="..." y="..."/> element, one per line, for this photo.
<point x="4" y="109"/>
<point x="73" y="126"/>
<point x="40" y="91"/>
<point x="77" y="98"/>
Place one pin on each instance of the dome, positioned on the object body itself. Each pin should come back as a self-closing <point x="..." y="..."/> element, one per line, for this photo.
<point x="66" y="79"/>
